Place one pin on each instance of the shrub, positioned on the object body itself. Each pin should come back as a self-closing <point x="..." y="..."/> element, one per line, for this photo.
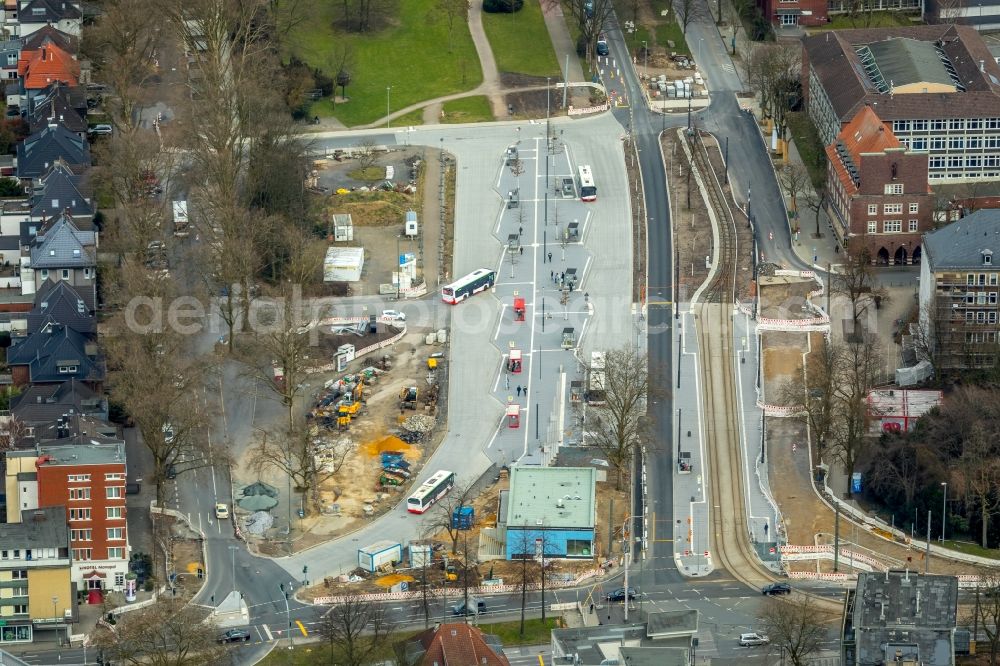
<point x="502" y="6"/>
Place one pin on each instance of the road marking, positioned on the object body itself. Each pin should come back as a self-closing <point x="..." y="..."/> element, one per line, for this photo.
<point x="267" y="631"/>
<point x="302" y="627"/>
<point x="655" y="303"/>
<point x="728" y="67"/>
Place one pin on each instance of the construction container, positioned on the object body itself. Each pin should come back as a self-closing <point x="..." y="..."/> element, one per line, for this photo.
<point x="462" y="518"/>
<point x="421" y="554"/>
<point x="377" y="555"/>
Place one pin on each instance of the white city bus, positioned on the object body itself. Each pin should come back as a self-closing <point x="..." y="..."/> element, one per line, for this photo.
<point x="588" y="190"/>
<point x="478" y="280"/>
<point x="430" y="491"/>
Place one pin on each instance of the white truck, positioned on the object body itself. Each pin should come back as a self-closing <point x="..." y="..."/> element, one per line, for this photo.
<point x="181" y="222"/>
<point x="595" y="379"/>
<point x="374" y="556"/>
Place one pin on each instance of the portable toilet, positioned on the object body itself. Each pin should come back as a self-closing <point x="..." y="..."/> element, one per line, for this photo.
<point x="411" y="223"/>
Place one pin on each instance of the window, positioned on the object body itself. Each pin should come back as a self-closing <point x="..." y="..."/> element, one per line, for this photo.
<point x="45" y="274"/>
<point x="991" y="317"/>
<point x="993" y="142"/>
<point x="993" y="279"/>
<point x="973" y="161"/>
<point x="993" y="123"/>
<point x="86" y="273"/>
<point x="956" y="142"/>
<point x="892" y="226"/>
<point x="914" y="208"/>
<point x="974" y="123"/>
<point x="114" y="476"/>
<point x="892" y="209"/>
<point x="79" y="514"/>
<point x="119" y="579"/>
<point x="937" y="124"/>
<point x="873" y="227"/>
<point x="981" y="298"/>
<point x="114" y="492"/>
<point x="982" y="279"/>
<point x="579" y="548"/>
<point x="980" y="317"/>
<point x="19" y="574"/>
<point x="80" y="535"/>
<point x="936" y="163"/>
<point x="79" y="493"/>
<point x="894" y="188"/>
<point x="873" y="209"/>
<point x="82" y="554"/>
<point x="19" y="591"/>
<point x="970" y="279"/>
<point x="67" y="369"/>
<point x="20" y="609"/>
<point x="78" y="478"/>
<point x="114" y="513"/>
<point x="937" y="143"/>
<point x="919" y="125"/>
<point x="974" y="142"/>
<point x="65" y="274"/>
<point x="913" y="226"/>
<point x="116" y="533"/>
<point x="4" y="555"/>
<point x="970" y="297"/>
<point x="955" y="162"/>
<point x="993" y="298"/>
<point x="116" y="553"/>
<point x="918" y="144"/>
<point x="956" y="123"/>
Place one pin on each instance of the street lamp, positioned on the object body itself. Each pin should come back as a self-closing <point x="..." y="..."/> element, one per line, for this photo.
<point x="232" y="550"/>
<point x="55" y="616"/>
<point x="387" y="89"/>
<point x="288" y="612"/>
<point x="944" y="509"/>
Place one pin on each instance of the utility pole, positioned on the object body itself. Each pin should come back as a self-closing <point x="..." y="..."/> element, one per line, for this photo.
<point x="288" y="613"/>
<point x="627" y="556"/>
<point x="836" y="539"/>
<point x="927" y="551"/>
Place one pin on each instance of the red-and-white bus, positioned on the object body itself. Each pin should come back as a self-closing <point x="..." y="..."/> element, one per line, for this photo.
<point x="430" y="491"/>
<point x="478" y="280"/>
<point x="588" y="190"/>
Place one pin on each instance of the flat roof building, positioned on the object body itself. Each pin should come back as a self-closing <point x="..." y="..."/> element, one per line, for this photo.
<point x="550" y="512"/>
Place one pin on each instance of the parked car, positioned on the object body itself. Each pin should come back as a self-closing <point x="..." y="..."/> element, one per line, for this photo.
<point x="568" y="189"/>
<point x="753" y="638"/>
<point x="460" y="608"/>
<point x="393" y="315"/>
<point x="602" y="45"/>
<point x="776" y="588"/>
<point x="235" y="636"/>
<point x="168" y="433"/>
<point x="221" y="511"/>
<point x="101" y="129"/>
<point x="619" y="594"/>
<point x="171" y="471"/>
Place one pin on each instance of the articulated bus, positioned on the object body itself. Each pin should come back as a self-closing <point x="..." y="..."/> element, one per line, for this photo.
<point x="430" y="491"/>
<point x="478" y="280"/>
<point x="588" y="190"/>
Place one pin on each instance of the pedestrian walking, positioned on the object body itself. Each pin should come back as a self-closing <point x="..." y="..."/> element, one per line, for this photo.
<point x="552" y="275"/>
<point x="522" y="250"/>
<point x="520" y="230"/>
<point x="518" y="390"/>
<point x="562" y="276"/>
<point x="550" y="257"/>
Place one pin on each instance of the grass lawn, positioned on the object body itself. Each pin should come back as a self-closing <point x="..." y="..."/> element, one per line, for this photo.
<point x="878" y="20"/>
<point x="536" y="632"/>
<point x="664" y="29"/>
<point x="368" y="173"/>
<point x="521" y="43"/>
<point x="970" y="548"/>
<point x="411" y="119"/>
<point x="809" y="145"/>
<point x="411" y="55"/>
<point x="468" y="110"/>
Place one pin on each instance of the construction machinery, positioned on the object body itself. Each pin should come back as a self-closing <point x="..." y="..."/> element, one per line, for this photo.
<point x="408" y="398"/>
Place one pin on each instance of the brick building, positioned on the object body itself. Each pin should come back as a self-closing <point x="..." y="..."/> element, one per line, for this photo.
<point x="937" y="87"/>
<point x="879" y="197"/>
<point x="790" y="13"/>
<point x="89" y="480"/>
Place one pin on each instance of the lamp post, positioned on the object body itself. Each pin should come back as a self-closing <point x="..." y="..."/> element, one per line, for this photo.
<point x="387" y="89"/>
<point x="55" y="616"/>
<point x="288" y="612"/>
<point x="626" y="554"/>
<point x="944" y="509"/>
<point x="232" y="551"/>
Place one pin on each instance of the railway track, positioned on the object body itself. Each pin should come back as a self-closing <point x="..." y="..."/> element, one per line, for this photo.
<point x="722" y="287"/>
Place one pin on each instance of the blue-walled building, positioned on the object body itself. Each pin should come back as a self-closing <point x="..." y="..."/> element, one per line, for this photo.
<point x="550" y="511"/>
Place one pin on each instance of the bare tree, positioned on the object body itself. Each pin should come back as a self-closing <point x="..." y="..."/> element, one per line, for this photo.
<point x="900" y="468"/>
<point x="356" y="630"/>
<point x="856" y="280"/>
<point x="617" y="426"/>
<point x="986" y="613"/>
<point x="796" y="627"/>
<point x="860" y="366"/>
<point x="687" y="11"/>
<point x="168" y="633"/>
<point x="816" y="200"/>
<point x="949" y="11"/>
<point x="366" y="153"/>
<point x="289" y="14"/>
<point x="308" y="459"/>
<point x="440" y="518"/>
<point x="979" y="473"/>
<point x="592" y="18"/>
<point x="815" y="395"/>
<point x="794" y="179"/>
<point x="452" y="11"/>
<point x="772" y="71"/>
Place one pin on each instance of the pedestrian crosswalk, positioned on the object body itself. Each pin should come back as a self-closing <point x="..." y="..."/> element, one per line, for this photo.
<point x="728" y="67"/>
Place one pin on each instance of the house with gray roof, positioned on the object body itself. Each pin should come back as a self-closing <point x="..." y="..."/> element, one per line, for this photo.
<point x="897" y="617"/>
<point x="959" y="293"/>
<point x="58" y="191"/>
<point x="59" y="104"/>
<point x="59" y="303"/>
<point x="37" y="153"/>
<point x="56" y="354"/>
<point x="50" y="34"/>
<point x="61" y="250"/>
<point x="937" y="87"/>
<point x="64" y="15"/>
<point x="665" y="638"/>
<point x="40" y="408"/>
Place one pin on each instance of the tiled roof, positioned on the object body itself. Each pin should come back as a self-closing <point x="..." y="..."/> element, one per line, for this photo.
<point x="457" y="644"/>
<point x="832" y="57"/>
<point x="961" y="244"/>
<point x="62" y="245"/>
<point x="43" y="403"/>
<point x="58" y="192"/>
<point x="41" y="67"/>
<point x="49" y="11"/>
<point x="61" y="304"/>
<point x="51" y="35"/>
<point x="58" y="104"/>
<point x="54" y="347"/>
<point x="866" y="133"/>
<point x="40" y="151"/>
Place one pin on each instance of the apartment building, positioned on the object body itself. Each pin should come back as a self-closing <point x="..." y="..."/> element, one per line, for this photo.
<point x="879" y="197"/>
<point x="36" y="593"/>
<point x="959" y="292"/>
<point x="937" y="87"/>
<point x="88" y="479"/>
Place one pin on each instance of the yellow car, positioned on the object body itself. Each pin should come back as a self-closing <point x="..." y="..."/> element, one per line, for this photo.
<point x="221" y="511"/>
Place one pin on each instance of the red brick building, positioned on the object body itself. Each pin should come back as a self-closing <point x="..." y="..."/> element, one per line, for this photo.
<point x="88" y="478"/>
<point x="879" y="195"/>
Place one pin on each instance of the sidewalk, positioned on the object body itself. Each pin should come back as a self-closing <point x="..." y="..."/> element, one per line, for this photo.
<point x="562" y="42"/>
<point x="817" y="252"/>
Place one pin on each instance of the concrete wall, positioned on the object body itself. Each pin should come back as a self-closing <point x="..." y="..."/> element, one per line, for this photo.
<point x="43" y="586"/>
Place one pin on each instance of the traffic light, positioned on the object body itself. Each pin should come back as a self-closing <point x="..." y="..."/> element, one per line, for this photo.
<point x="201" y="572"/>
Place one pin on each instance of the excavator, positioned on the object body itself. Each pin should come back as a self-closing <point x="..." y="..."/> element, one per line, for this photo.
<point x="408" y="398"/>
